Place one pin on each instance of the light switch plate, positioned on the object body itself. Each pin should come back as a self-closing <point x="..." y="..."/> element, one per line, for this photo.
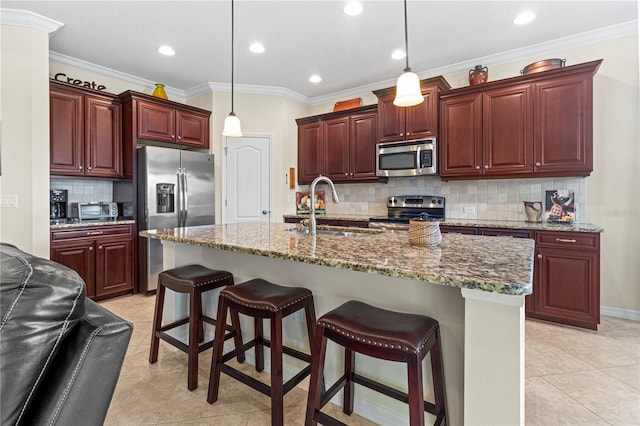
<point x="469" y="210"/>
<point x="9" y="201"/>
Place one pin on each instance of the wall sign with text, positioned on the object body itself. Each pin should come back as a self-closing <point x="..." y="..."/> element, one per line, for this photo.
<point x="88" y="84"/>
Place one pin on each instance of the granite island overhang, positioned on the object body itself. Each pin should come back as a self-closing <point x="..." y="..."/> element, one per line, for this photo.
<point x="473" y="285"/>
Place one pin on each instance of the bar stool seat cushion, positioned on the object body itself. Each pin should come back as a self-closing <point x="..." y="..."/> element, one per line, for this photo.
<point x="263" y="295"/>
<point x="191" y="276"/>
<point x="379" y="327"/>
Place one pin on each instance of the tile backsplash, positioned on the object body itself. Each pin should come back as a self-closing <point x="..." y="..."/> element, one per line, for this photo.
<point x="491" y="199"/>
<point x="80" y="190"/>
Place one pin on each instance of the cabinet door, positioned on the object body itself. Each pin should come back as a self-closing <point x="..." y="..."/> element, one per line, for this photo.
<point x="79" y="256"/>
<point x="336" y="149"/>
<point x="103" y="138"/>
<point x="192" y="129"/>
<point x="363" y="146"/>
<point x="391" y="120"/>
<point x="566" y="287"/>
<point x="422" y="119"/>
<point x="461" y="135"/>
<point x="563" y="129"/>
<point x="156" y="122"/>
<point x="66" y="118"/>
<point x="507" y="130"/>
<point x="310" y="152"/>
<point x="114" y="268"/>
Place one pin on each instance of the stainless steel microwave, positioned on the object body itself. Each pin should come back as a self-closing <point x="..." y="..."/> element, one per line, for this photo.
<point x="408" y="158"/>
<point x="94" y="210"/>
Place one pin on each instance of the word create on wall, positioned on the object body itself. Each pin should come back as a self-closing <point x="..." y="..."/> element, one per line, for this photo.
<point x="88" y="84"/>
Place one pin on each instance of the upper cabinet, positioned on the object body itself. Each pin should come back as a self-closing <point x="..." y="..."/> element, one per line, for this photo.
<point x="85" y="132"/>
<point x="407" y="123"/>
<point x="537" y="125"/>
<point x="149" y="118"/>
<point x="339" y="145"/>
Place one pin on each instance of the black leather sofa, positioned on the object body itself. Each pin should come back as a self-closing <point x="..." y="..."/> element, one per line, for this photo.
<point x="60" y="353"/>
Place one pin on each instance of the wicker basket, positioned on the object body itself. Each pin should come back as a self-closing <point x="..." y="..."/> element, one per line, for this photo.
<point x="424" y="233"/>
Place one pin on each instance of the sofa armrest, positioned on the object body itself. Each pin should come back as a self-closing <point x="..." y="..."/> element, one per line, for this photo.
<point x="79" y="385"/>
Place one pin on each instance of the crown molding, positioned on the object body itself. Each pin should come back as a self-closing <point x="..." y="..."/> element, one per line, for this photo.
<point x="590" y="37"/>
<point x="26" y="18"/>
<point x="108" y="72"/>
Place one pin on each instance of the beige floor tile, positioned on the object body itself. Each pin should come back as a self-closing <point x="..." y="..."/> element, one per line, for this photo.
<point x="542" y="359"/>
<point x="614" y="401"/>
<point x="547" y="405"/>
<point x="629" y="374"/>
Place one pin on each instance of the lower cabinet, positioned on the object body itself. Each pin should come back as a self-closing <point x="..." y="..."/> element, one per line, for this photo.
<point x="566" y="274"/>
<point x="102" y="256"/>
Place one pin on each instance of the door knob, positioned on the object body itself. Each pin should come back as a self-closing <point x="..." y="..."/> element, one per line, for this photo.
<point x="266" y="211"/>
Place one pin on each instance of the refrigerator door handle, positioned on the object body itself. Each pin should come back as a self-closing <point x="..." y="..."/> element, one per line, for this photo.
<point x="179" y="192"/>
<point x="185" y="193"/>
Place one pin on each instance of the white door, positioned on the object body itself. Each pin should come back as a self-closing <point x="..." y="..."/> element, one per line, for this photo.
<point x="247" y="179"/>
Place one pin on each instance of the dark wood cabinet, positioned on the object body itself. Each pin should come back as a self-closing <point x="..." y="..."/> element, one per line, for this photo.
<point x="102" y="256"/>
<point x="566" y="287"/>
<point x="149" y="120"/>
<point x="407" y="123"/>
<point x="339" y="145"/>
<point x="85" y="132"/>
<point x="332" y="222"/>
<point x="467" y="230"/>
<point x="537" y="125"/>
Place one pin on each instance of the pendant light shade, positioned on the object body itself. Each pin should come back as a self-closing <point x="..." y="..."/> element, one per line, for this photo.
<point x="408" y="87"/>
<point x="232" y="122"/>
<point x="232" y="126"/>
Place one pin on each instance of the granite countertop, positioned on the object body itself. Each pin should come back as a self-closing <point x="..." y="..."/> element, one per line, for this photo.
<point x="494" y="264"/>
<point x="119" y="221"/>
<point x="479" y="223"/>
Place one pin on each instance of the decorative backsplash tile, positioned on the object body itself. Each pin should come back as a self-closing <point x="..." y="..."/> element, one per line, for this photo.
<point x="80" y="190"/>
<point x="491" y="199"/>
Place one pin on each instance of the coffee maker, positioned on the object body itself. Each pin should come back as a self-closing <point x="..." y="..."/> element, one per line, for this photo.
<point x="57" y="206"/>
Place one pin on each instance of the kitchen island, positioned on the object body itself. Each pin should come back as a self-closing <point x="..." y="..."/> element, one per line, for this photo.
<point x="473" y="285"/>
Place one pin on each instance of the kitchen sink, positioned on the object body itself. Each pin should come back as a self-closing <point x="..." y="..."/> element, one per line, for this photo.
<point x="349" y="232"/>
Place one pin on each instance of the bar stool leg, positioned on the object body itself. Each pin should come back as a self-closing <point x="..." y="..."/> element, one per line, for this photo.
<point x="277" y="379"/>
<point x="416" y="391"/>
<point x="437" y="373"/>
<point x="237" y="339"/>
<point x="349" y="364"/>
<point x="157" y="324"/>
<point x="194" y="328"/>
<point x="218" y="349"/>
<point x="318" y="351"/>
<point x="259" y="349"/>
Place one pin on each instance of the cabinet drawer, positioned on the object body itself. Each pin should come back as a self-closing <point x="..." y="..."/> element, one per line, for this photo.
<point x="570" y="240"/>
<point x="96" y="232"/>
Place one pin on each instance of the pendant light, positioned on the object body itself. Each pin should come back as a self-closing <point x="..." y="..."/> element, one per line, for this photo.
<point x="408" y="87"/>
<point x="232" y="122"/>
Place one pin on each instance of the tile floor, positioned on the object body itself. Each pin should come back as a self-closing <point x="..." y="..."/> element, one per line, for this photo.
<point x="573" y="377"/>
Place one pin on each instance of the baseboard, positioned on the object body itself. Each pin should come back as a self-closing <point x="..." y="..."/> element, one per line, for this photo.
<point x="364" y="407"/>
<point x="630" y="314"/>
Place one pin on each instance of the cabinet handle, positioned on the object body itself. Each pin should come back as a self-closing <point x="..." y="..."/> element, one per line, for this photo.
<point x="90" y="248"/>
<point x="539" y="256"/>
<point x="486" y="166"/>
<point x="94" y="233"/>
<point x="538" y="163"/>
<point x="477" y="167"/>
<point x="565" y="240"/>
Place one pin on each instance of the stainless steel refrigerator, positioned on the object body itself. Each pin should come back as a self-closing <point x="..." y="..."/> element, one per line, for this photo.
<point x="175" y="188"/>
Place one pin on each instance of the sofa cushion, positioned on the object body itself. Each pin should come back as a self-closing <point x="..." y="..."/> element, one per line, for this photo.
<point x="41" y="302"/>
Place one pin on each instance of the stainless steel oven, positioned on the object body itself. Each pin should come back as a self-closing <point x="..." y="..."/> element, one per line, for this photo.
<point x="409" y="158"/>
<point x="402" y="208"/>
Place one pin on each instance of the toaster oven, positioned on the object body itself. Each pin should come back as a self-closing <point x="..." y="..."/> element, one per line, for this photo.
<point x="95" y="210"/>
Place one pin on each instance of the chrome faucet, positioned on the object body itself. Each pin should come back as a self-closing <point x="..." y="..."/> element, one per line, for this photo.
<point x="312" y="217"/>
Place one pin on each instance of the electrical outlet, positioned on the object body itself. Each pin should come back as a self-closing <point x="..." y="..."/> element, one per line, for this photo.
<point x="469" y="210"/>
<point x="364" y="207"/>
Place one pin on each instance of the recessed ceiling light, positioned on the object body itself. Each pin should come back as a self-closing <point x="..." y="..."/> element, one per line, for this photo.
<point x="398" y="54"/>
<point x="315" y="78"/>
<point x="524" y="18"/>
<point x="352" y="8"/>
<point x="256" y="48"/>
<point x="166" y="50"/>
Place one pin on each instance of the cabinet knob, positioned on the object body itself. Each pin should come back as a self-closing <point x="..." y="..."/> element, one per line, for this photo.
<point x="179" y="137"/>
<point x="408" y="133"/>
<point x="173" y="136"/>
<point x="79" y="167"/>
<point x="401" y="134"/>
<point x="351" y="174"/>
<point x="538" y="163"/>
<point x="346" y="174"/>
<point x="539" y="256"/>
<point x="89" y="168"/>
<point x="486" y="166"/>
<point x="90" y="248"/>
<point x="477" y="167"/>
<point x="99" y="247"/>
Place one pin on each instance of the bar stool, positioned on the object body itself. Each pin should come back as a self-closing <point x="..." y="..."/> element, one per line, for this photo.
<point x="261" y="299"/>
<point x="381" y="334"/>
<point x="194" y="280"/>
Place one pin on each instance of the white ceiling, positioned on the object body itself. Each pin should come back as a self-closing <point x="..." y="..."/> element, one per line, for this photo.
<point x="305" y="37"/>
